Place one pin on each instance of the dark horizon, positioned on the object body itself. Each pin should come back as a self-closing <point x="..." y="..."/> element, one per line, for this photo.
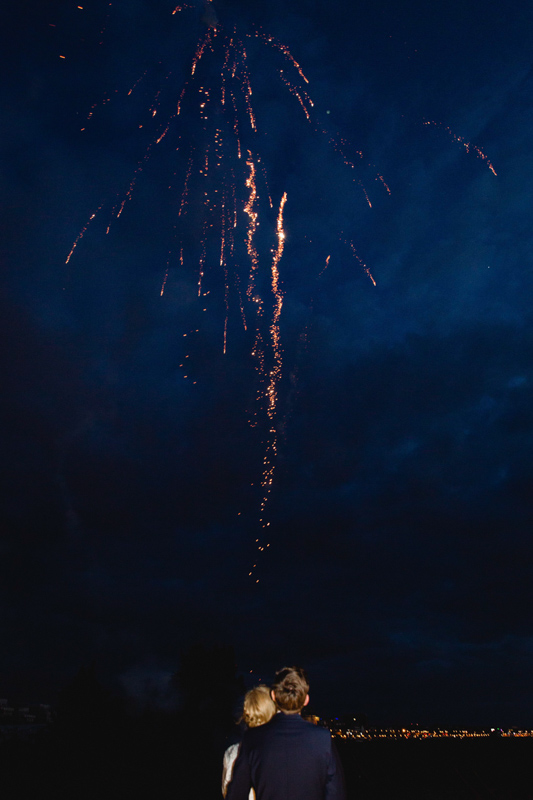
<point x="163" y="698"/>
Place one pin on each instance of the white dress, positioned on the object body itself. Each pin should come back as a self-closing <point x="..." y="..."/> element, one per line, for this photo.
<point x="230" y="757"/>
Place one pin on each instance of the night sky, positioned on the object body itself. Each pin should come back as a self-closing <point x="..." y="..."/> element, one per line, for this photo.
<point x="400" y="560"/>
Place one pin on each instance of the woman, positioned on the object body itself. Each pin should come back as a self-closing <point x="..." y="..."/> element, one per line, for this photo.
<point x="259" y="708"/>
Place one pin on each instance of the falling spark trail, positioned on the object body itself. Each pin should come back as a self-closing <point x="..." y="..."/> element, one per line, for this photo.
<point x="249" y="209"/>
<point x="200" y="51"/>
<point x="274" y="328"/>
<point x="382" y="179"/>
<point x="467" y="145"/>
<point x="293" y="90"/>
<point x="225" y="270"/>
<point x="325" y="267"/>
<point x="186" y="187"/>
<point x="82" y="233"/>
<point x="361" y="262"/>
<point x="365" y="194"/>
<point x="269" y="459"/>
<point x="283" y="49"/>
<point x="164" y="281"/>
<point x="137" y="82"/>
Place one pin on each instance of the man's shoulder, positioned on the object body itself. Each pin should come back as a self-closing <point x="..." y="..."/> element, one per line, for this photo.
<point x="317" y="730"/>
<point x="307" y="725"/>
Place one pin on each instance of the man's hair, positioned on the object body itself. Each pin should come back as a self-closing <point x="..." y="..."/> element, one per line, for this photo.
<point x="259" y="708"/>
<point x="290" y="688"/>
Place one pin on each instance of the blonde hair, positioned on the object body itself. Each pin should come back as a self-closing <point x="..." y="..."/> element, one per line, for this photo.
<point x="259" y="708"/>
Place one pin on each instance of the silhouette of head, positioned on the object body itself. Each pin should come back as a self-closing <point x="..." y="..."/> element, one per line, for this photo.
<point x="259" y="708"/>
<point x="290" y="690"/>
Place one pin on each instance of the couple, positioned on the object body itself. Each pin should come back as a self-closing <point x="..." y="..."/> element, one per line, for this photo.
<point x="281" y="756"/>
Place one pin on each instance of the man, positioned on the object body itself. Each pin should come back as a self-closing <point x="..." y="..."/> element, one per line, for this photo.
<point x="288" y="758"/>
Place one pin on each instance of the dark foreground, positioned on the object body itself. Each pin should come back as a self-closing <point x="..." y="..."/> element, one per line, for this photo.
<point x="155" y="758"/>
<point x="439" y="769"/>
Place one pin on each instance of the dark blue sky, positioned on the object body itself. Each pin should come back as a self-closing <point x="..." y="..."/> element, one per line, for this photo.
<point x="399" y="570"/>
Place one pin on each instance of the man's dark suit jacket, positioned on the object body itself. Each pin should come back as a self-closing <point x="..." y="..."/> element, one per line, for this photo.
<point x="287" y="759"/>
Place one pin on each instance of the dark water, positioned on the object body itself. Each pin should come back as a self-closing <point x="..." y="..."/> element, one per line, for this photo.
<point x="162" y="761"/>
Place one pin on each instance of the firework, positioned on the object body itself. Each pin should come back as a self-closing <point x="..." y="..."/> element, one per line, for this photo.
<point x="211" y="127"/>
